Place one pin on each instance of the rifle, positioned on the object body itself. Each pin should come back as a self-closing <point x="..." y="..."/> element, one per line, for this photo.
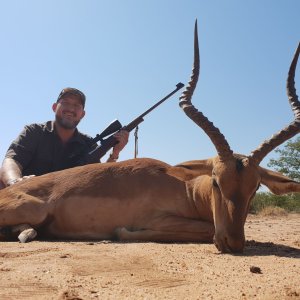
<point x="106" y="143"/>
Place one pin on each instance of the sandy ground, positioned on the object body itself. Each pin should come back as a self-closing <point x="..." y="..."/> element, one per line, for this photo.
<point x="105" y="270"/>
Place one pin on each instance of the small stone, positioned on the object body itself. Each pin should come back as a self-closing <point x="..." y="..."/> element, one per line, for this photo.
<point x="256" y="270"/>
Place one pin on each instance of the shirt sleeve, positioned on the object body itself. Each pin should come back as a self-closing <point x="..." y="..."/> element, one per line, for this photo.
<point x="23" y="148"/>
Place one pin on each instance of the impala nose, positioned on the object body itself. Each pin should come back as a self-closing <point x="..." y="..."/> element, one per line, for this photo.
<point x="235" y="245"/>
<point x="230" y="245"/>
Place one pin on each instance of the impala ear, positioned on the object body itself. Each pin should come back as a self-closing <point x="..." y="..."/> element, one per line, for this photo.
<point x="191" y="169"/>
<point x="278" y="183"/>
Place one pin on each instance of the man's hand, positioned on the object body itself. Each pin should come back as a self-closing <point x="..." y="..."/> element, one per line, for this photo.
<point x="122" y="138"/>
<point x="14" y="181"/>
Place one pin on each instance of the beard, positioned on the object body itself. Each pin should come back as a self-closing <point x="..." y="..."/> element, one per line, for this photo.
<point x="65" y="123"/>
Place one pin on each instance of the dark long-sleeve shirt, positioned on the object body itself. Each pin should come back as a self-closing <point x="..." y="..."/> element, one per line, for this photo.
<point x="39" y="150"/>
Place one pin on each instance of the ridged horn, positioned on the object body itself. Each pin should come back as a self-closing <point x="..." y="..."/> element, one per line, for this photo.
<point x="294" y="127"/>
<point x="217" y="138"/>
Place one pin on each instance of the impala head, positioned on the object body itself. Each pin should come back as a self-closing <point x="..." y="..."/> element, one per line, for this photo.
<point x="235" y="178"/>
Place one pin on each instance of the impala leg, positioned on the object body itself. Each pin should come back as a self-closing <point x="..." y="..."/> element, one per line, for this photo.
<point x="23" y="211"/>
<point x="25" y="232"/>
<point x="148" y="235"/>
<point x="20" y="214"/>
<point x="171" y="229"/>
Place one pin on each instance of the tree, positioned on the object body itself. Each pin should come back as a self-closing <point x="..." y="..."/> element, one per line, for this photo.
<point x="288" y="162"/>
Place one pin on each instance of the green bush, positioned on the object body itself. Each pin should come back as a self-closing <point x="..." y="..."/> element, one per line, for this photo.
<point x="290" y="202"/>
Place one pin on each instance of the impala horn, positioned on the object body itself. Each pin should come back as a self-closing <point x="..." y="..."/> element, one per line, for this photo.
<point x="221" y="145"/>
<point x="294" y="127"/>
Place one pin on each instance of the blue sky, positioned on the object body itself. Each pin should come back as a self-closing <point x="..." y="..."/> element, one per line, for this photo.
<point x="125" y="55"/>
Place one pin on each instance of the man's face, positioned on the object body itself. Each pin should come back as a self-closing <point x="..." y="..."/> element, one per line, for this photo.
<point x="68" y="111"/>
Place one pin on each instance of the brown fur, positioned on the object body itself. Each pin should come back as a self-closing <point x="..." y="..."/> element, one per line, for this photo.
<point x="139" y="199"/>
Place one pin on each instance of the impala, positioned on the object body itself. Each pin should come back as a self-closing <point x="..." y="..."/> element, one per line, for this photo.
<point x="149" y="200"/>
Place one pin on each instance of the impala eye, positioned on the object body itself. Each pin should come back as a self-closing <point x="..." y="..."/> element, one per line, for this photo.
<point x="214" y="182"/>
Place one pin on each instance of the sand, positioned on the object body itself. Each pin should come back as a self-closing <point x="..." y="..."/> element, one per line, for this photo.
<point x="269" y="268"/>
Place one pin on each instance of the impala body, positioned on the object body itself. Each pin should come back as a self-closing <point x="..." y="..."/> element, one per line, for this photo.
<point x="149" y="200"/>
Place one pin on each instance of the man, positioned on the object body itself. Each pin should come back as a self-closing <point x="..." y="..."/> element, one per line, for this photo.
<point x="48" y="147"/>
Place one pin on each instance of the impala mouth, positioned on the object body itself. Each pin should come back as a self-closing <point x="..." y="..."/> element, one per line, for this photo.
<point x="234" y="246"/>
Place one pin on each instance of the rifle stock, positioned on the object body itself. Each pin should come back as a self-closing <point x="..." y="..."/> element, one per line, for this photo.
<point x="111" y="141"/>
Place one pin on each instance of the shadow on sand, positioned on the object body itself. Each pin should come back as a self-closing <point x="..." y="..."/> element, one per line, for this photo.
<point x="254" y="248"/>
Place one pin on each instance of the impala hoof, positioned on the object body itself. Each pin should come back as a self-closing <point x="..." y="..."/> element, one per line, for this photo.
<point x="27" y="235"/>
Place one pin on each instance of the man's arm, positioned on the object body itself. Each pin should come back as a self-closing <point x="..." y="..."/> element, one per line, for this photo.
<point x="11" y="172"/>
<point x="18" y="155"/>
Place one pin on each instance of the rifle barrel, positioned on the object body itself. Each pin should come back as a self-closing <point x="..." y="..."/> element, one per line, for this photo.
<point x="178" y="87"/>
<point x="109" y="142"/>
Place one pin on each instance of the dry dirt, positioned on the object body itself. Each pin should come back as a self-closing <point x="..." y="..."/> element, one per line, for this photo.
<point x="268" y="269"/>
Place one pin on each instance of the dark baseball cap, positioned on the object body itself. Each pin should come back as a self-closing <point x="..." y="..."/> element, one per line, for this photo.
<point x="72" y="91"/>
